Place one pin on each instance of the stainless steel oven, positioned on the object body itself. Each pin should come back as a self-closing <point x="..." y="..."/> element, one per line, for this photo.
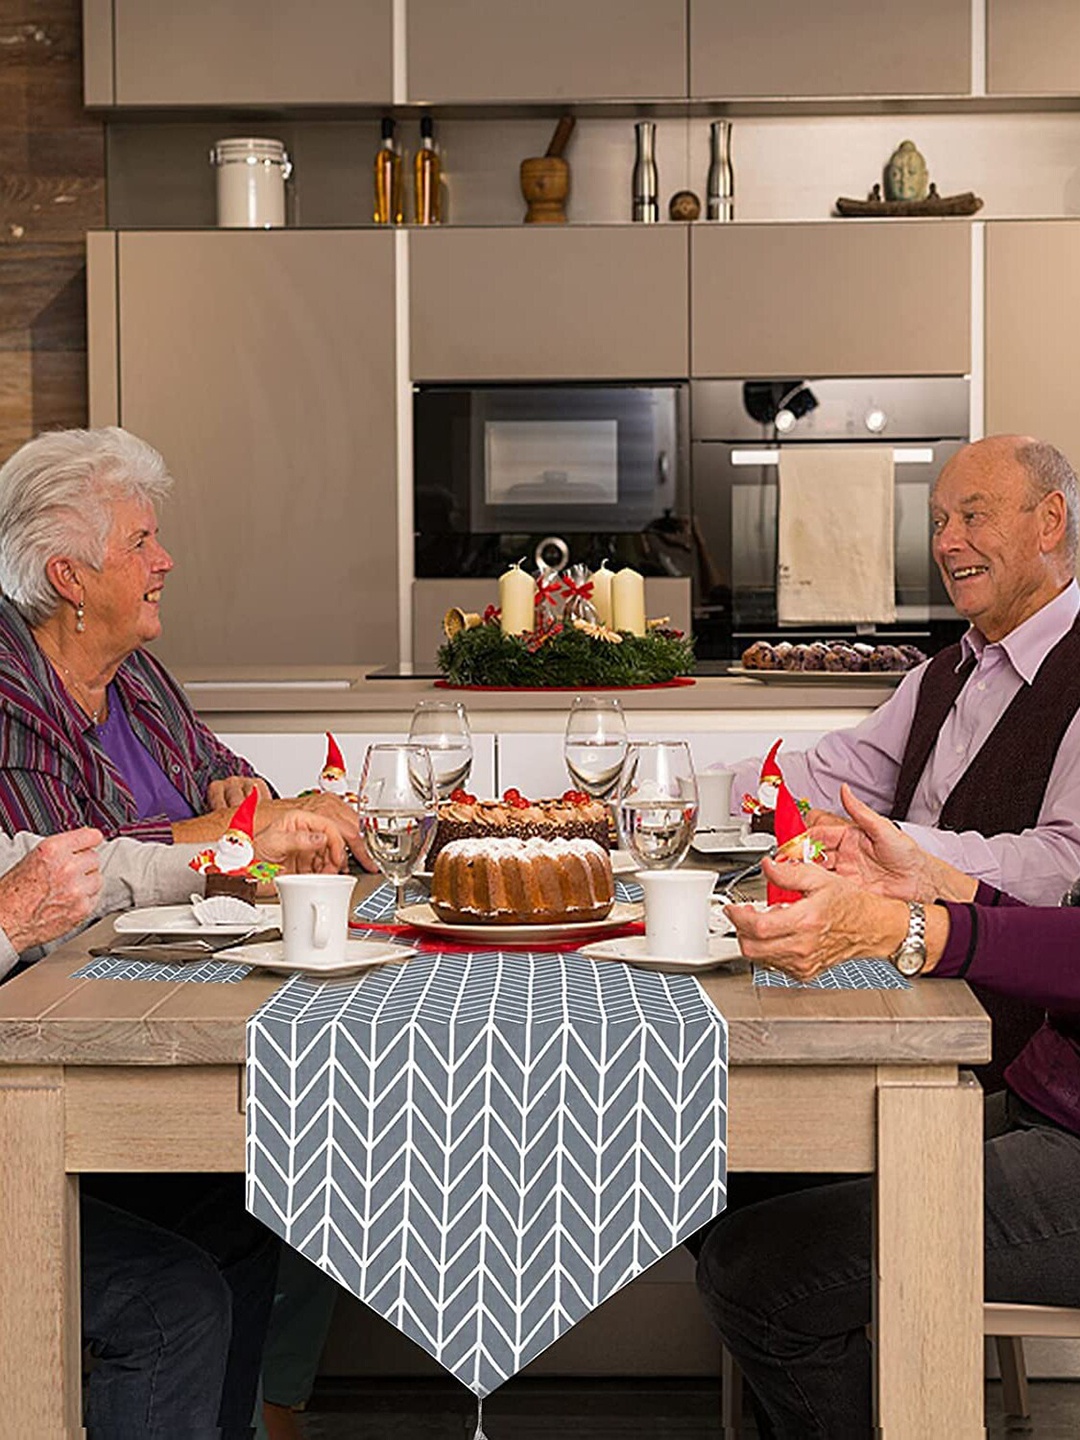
<point x="738" y="431"/>
<point x="497" y="467"/>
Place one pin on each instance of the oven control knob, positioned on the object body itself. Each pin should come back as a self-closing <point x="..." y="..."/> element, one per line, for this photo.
<point x="876" y="420"/>
<point x="784" y="421"/>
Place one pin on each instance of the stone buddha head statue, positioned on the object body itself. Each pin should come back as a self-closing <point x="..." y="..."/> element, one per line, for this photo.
<point x="906" y="176"/>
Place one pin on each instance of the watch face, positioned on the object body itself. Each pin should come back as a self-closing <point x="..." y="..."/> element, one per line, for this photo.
<point x="910" y="959"/>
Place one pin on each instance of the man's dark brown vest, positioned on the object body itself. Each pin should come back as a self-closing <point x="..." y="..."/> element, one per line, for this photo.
<point x="1002" y="789"/>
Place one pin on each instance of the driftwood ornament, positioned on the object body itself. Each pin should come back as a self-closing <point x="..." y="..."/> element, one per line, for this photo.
<point x="908" y="191"/>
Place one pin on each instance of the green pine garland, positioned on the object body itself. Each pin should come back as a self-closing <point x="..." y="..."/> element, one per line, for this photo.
<point x="485" y="656"/>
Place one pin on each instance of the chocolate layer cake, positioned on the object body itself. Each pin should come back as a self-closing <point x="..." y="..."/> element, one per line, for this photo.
<point x="520" y="819"/>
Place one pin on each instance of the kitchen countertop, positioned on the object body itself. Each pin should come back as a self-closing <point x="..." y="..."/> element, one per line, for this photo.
<point x="288" y="698"/>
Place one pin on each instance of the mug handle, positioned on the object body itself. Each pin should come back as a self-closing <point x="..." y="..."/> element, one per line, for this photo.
<point x="321" y="931"/>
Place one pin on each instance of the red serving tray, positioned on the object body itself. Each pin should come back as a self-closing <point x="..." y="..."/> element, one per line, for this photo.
<point x="678" y="683"/>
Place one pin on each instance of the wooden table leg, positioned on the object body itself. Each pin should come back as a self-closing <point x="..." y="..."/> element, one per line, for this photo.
<point x="40" y="1349"/>
<point x="929" y="1250"/>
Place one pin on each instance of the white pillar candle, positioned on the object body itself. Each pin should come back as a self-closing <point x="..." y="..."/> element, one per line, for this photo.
<point x="516" y="595"/>
<point x="601" y="594"/>
<point x="628" y="601"/>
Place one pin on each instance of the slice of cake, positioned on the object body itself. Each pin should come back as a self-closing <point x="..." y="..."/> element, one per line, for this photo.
<point x="510" y="881"/>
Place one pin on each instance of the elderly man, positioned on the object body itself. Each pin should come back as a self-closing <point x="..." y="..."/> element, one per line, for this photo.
<point x="977" y="755"/>
<point x="177" y="1279"/>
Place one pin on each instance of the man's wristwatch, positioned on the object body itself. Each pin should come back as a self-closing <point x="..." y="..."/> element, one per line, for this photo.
<point x="910" y="955"/>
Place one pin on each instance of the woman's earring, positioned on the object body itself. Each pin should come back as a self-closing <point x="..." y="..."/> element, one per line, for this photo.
<point x="80" y="617"/>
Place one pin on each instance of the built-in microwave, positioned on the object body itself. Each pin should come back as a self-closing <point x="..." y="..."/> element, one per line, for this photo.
<point x="499" y="467"/>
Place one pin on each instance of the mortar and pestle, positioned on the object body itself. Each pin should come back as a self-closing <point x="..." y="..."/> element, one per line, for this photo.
<point x="545" y="179"/>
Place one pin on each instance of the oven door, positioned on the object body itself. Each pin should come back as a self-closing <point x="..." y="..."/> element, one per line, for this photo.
<point x="735" y="508"/>
<point x="568" y="459"/>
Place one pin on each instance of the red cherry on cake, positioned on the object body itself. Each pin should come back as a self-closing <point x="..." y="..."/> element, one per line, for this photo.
<point x="575" y="797"/>
<point x="515" y="798"/>
<point x="460" y="796"/>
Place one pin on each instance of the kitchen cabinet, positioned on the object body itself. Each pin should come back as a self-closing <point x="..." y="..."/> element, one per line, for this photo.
<point x="549" y="302"/>
<point x="262" y="366"/>
<point x="1032" y="335"/>
<point x="877" y="297"/>
<point x="158" y="52"/>
<point x="833" y="47"/>
<point x="501" y="50"/>
<point x="1032" y="47"/>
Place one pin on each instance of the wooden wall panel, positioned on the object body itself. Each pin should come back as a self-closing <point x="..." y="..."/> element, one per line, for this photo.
<point x="52" y="190"/>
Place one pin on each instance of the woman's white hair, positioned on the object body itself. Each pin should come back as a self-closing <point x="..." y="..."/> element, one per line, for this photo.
<point x="56" y="497"/>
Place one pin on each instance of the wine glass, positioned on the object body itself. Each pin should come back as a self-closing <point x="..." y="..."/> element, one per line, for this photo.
<point x="442" y="726"/>
<point x="658" y="802"/>
<point x="595" y="744"/>
<point x="397" y="804"/>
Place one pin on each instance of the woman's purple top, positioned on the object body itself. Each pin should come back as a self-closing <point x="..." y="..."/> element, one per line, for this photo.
<point x="154" y="792"/>
<point x="1032" y="953"/>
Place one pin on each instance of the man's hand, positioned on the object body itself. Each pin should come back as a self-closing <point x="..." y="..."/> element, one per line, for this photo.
<point x="834" y="920"/>
<point x="52" y="890"/>
<point x="341" y="815"/>
<point x="227" y="794"/>
<point x="878" y="856"/>
<point x="302" y="842"/>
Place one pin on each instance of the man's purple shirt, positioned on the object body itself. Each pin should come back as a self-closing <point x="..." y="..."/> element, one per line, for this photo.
<point x="1037" y="865"/>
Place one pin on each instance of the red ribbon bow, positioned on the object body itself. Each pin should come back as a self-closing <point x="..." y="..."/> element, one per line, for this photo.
<point x="490" y="615"/>
<point x="545" y="593"/>
<point x="582" y="591"/>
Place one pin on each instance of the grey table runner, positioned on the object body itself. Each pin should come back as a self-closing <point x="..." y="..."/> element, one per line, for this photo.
<point x="484" y="1147"/>
<point x="847" y="975"/>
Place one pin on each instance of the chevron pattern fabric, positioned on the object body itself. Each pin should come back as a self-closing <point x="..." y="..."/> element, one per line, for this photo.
<point x="483" y="1147"/>
<point x="847" y="975"/>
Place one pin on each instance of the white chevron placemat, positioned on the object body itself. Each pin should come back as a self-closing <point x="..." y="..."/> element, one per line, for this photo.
<point x="484" y="1147"/>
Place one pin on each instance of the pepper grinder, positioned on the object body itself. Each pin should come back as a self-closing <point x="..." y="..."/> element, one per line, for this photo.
<point x="646" y="187"/>
<point x="720" y="191"/>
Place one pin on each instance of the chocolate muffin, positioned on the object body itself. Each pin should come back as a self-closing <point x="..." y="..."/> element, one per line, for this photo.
<point x="242" y="887"/>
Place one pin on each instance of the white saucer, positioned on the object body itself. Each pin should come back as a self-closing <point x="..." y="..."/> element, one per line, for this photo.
<point x="631" y="950"/>
<point x="731" y="842"/>
<point x="180" y="920"/>
<point x="359" y="955"/>
<point x="423" y="917"/>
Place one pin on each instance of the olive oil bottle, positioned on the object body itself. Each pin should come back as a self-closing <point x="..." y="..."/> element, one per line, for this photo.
<point x="387" y="174"/>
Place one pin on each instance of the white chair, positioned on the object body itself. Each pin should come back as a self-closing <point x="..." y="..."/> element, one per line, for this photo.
<point x="1005" y="1324"/>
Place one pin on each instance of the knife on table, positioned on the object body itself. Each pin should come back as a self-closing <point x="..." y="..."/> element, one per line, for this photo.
<point x="182" y="952"/>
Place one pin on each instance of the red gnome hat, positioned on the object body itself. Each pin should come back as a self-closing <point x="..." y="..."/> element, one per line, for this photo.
<point x="770" y="766"/>
<point x="789" y="824"/>
<point x="333" y="754"/>
<point x="243" y="818"/>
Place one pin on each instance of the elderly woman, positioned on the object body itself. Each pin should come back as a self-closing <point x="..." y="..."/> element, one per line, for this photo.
<point x="787" y="1280"/>
<point x="94" y="730"/>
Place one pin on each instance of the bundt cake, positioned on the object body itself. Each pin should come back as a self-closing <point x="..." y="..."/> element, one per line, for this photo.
<point x="522" y="882"/>
<point x="573" y="817"/>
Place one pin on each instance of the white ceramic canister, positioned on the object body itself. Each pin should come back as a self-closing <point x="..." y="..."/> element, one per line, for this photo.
<point x="251" y="175"/>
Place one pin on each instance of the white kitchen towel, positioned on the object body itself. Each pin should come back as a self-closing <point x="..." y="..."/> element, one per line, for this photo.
<point x="835" y="549"/>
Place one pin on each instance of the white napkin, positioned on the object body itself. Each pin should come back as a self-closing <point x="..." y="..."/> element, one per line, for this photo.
<point x="835" y="550"/>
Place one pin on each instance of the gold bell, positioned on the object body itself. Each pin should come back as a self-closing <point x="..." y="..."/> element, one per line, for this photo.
<point x="456" y="620"/>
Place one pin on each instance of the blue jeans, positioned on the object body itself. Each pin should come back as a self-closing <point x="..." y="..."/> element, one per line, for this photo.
<point x="787" y="1281"/>
<point x="177" y="1283"/>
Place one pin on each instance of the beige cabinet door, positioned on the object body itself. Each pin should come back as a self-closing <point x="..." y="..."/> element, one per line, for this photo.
<point x="1033" y="47"/>
<point x="262" y="366"/>
<point x="1033" y="330"/>
<point x="876" y="297"/>
<point x="832" y="47"/>
<point x="199" y="52"/>
<point x="560" y="50"/>
<point x="549" y="302"/>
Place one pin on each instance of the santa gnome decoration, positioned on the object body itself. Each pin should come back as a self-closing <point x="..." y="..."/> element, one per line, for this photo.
<point x="762" y="806"/>
<point x="234" y="853"/>
<point x="332" y="776"/>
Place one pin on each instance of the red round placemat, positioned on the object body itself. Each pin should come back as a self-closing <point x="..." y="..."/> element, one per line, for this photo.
<point x="677" y="683"/>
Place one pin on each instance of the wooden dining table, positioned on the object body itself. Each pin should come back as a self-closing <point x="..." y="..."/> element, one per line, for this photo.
<point x="128" y="1076"/>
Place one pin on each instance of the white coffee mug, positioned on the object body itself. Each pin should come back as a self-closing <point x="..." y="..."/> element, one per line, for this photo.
<point x="714" y="800"/>
<point x="314" y="916"/>
<point x="677" y="912"/>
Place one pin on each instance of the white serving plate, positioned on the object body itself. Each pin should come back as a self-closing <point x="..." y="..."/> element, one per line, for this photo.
<point x="359" y="955"/>
<point x="819" y="677"/>
<point x="726" y="842"/>
<point x="180" y="920"/>
<point x="423" y="917"/>
<point x="633" y="950"/>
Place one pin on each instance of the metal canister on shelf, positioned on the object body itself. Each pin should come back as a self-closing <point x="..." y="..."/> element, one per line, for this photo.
<point x="720" y="191"/>
<point x="646" y="182"/>
<point x="251" y="174"/>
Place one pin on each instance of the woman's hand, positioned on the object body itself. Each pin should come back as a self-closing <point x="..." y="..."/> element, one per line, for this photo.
<point x="302" y="843"/>
<point x="878" y="856"/>
<point x="834" y="920"/>
<point x="52" y="890"/>
<point x="227" y="794"/>
<point x="332" y="808"/>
